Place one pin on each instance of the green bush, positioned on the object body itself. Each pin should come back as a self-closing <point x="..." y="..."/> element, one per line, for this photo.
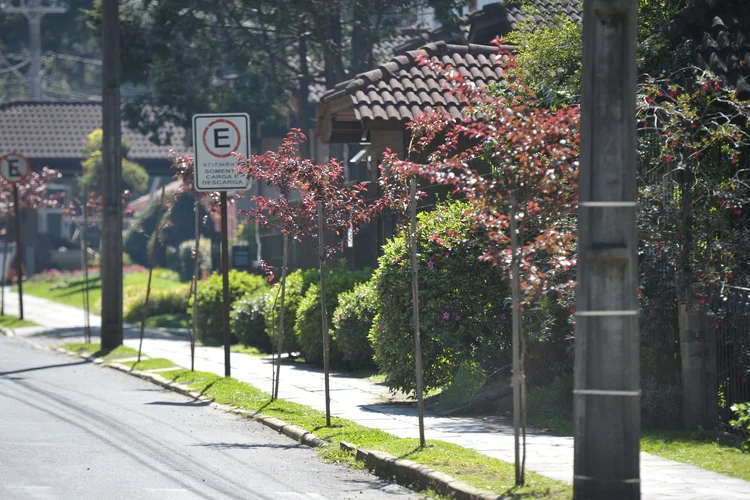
<point x="351" y="323"/>
<point x="159" y="302"/>
<point x="308" y="325"/>
<point x="210" y="303"/>
<point x="180" y="226"/>
<point x="297" y="284"/>
<point x="184" y="263"/>
<point x="464" y="302"/>
<point x="247" y="319"/>
<point x="742" y="423"/>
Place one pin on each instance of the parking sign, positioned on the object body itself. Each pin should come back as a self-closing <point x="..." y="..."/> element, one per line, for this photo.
<point x="215" y="138"/>
<point x="14" y="167"/>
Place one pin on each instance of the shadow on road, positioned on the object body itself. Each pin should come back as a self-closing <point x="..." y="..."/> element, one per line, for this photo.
<point x="46" y="367"/>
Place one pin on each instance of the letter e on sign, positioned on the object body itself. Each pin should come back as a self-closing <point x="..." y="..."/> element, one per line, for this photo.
<point x="14" y="168"/>
<point x="216" y="137"/>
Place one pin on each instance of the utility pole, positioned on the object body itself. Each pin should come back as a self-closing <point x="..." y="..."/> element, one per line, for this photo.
<point x="111" y="233"/>
<point x="35" y="10"/>
<point x="607" y="375"/>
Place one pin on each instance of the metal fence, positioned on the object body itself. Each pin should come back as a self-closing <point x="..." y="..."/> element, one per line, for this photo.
<point x="730" y="330"/>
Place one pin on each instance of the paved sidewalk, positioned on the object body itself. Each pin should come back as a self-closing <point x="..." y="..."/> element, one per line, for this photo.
<point x="366" y="403"/>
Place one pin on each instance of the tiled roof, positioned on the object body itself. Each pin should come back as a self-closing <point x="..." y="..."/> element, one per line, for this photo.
<point x="720" y="30"/>
<point x="402" y="88"/>
<point x="58" y="130"/>
<point x="498" y="19"/>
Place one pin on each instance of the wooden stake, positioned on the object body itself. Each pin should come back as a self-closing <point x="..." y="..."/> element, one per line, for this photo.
<point x="415" y="295"/>
<point x="151" y="264"/>
<point x="326" y="340"/>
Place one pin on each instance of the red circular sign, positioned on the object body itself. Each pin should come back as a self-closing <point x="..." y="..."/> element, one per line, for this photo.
<point x="14" y="168"/>
<point x="205" y="140"/>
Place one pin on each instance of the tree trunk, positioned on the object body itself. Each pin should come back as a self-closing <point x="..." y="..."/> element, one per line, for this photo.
<point x="415" y="295"/>
<point x="323" y="313"/>
<point x="284" y="265"/>
<point x="151" y="263"/>
<point x="516" y="342"/>
<point x="303" y="97"/>
<point x="194" y="287"/>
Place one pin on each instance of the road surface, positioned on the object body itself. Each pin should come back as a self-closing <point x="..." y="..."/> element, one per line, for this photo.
<point x="73" y="430"/>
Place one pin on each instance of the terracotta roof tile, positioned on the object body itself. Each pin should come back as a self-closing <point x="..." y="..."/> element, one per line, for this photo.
<point x="58" y="130"/>
<point x="402" y="89"/>
<point x="720" y="30"/>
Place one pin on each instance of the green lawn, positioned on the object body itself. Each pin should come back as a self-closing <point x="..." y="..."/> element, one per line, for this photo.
<point x="14" y="322"/>
<point x="701" y="449"/>
<point x="70" y="291"/>
<point x="150" y="364"/>
<point x="249" y="350"/>
<point x="468" y="465"/>
<point x="167" y="321"/>
<point x="107" y="355"/>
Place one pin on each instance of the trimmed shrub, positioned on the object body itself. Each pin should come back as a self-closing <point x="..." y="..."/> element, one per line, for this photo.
<point x="351" y="323"/>
<point x="464" y="302"/>
<point x="248" y="322"/>
<point x="210" y="303"/>
<point x="159" y="302"/>
<point x="185" y="262"/>
<point x="297" y="284"/>
<point x="308" y="326"/>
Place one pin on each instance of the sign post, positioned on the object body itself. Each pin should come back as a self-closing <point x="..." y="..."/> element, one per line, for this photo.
<point x="14" y="168"/>
<point x="216" y="137"/>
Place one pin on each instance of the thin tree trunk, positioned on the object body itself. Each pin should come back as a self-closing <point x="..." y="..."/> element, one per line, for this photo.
<point x="415" y="295"/>
<point x="151" y="262"/>
<point x="285" y="263"/>
<point x="304" y="91"/>
<point x="85" y="257"/>
<point x="194" y="287"/>
<point x="5" y="263"/>
<point x="516" y="301"/>
<point x="323" y="314"/>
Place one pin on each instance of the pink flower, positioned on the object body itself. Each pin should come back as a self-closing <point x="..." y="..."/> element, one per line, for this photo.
<point x="430" y="264"/>
<point x="381" y="326"/>
<point x="398" y="260"/>
<point x="447" y="255"/>
<point x="446" y="315"/>
<point x="502" y="316"/>
<point x="458" y="318"/>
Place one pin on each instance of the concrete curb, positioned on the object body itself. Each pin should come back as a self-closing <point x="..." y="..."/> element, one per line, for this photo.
<point x="8" y="332"/>
<point x="410" y="473"/>
<point x="405" y="472"/>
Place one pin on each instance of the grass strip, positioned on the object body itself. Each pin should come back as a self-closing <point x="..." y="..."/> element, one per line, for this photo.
<point x="249" y="350"/>
<point x="150" y="364"/>
<point x="702" y="449"/>
<point x="68" y="291"/>
<point x="468" y="465"/>
<point x="167" y="321"/>
<point x="107" y="355"/>
<point x="14" y="322"/>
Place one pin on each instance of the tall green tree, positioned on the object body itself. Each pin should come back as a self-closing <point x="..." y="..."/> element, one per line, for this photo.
<point x="134" y="177"/>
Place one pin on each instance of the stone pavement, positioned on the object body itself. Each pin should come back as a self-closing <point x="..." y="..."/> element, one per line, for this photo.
<point x="367" y="403"/>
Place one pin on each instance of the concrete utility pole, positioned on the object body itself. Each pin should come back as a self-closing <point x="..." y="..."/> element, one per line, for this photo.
<point x="35" y="10"/>
<point x="111" y="234"/>
<point x="607" y="377"/>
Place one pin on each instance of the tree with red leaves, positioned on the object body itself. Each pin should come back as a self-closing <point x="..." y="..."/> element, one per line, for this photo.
<point x="32" y="194"/>
<point x="517" y="163"/>
<point x="324" y="206"/>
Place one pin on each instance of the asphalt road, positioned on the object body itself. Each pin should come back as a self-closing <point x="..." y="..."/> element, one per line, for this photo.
<point x="73" y="430"/>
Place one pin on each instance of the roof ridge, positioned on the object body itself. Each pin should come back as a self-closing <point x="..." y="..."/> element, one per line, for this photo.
<point x="13" y="104"/>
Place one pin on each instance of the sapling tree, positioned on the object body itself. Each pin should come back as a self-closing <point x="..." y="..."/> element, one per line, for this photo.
<point x="32" y="194"/>
<point x="323" y="206"/>
<point x="517" y="164"/>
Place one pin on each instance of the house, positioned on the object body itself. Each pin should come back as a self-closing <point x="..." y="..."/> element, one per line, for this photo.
<point x="53" y="134"/>
<point x="719" y="33"/>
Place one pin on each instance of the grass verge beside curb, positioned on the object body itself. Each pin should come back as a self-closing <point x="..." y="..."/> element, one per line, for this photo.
<point x="485" y="476"/>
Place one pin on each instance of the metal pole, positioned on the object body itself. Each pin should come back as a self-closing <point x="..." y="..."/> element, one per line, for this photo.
<point x="35" y="32"/>
<point x="85" y="259"/>
<point x="19" y="251"/>
<point x="225" y="280"/>
<point x="196" y="271"/>
<point x="326" y="340"/>
<point x="415" y="294"/>
<point x="111" y="233"/>
<point x="516" y="347"/>
<point x="607" y="378"/>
